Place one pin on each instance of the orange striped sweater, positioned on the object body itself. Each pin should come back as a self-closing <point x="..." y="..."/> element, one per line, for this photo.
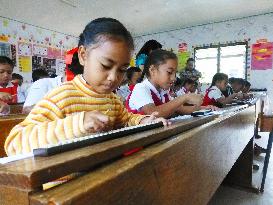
<point x="59" y="116"/>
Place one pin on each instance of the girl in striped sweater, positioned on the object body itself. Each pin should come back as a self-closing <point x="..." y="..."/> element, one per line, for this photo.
<point x="86" y="104"/>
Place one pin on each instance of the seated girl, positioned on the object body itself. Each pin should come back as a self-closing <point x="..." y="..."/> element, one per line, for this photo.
<point x="152" y="95"/>
<point x="132" y="74"/>
<point x="214" y="95"/>
<point x="188" y="85"/>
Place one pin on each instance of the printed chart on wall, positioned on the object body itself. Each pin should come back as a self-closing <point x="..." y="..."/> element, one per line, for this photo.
<point x="261" y="56"/>
<point x="25" y="64"/>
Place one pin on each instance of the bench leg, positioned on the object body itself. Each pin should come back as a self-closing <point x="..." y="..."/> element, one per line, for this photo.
<point x="267" y="157"/>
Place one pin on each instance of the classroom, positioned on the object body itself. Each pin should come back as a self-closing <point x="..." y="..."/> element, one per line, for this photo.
<point x="136" y="102"/>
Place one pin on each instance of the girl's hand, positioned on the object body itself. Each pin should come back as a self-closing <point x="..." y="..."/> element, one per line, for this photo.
<point x="5" y="96"/>
<point x="153" y="118"/>
<point x="95" y="121"/>
<point x="212" y="107"/>
<point x="194" y="99"/>
<point x="4" y="108"/>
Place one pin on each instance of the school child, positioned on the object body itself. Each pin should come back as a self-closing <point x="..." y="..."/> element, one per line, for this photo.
<point x="229" y="91"/>
<point x="22" y="87"/>
<point x="44" y="85"/>
<point x="39" y="74"/>
<point x="187" y="87"/>
<point x="214" y="94"/>
<point x="246" y="87"/>
<point x="8" y="90"/>
<point x="152" y="95"/>
<point x="86" y="104"/>
<point x="145" y="50"/>
<point x="237" y="85"/>
<point x="176" y="87"/>
<point x="132" y="75"/>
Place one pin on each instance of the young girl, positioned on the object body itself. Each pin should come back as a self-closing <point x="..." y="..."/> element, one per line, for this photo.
<point x="86" y="104"/>
<point x="214" y="94"/>
<point x="146" y="49"/>
<point x="132" y="75"/>
<point x="152" y="94"/>
<point x="188" y="86"/>
<point x="8" y="91"/>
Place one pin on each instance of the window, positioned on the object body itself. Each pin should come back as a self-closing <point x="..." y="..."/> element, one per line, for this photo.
<point x="229" y="59"/>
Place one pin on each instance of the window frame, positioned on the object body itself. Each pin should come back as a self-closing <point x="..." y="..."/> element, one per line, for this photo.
<point x="218" y="46"/>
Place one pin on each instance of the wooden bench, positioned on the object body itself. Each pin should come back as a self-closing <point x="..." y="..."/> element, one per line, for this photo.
<point x="181" y="164"/>
<point x="6" y="124"/>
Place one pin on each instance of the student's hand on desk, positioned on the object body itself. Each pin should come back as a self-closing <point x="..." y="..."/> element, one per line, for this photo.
<point x="4" y="108"/>
<point x="212" y="107"/>
<point x="194" y="99"/>
<point x="240" y="96"/>
<point x="95" y="121"/>
<point x="5" y="96"/>
<point x="153" y="118"/>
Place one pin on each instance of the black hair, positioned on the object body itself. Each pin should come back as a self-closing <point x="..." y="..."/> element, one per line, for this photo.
<point x="6" y="60"/>
<point x="190" y="59"/>
<point x="104" y="27"/>
<point x="16" y="76"/>
<point x="247" y="83"/>
<point x="38" y="74"/>
<point x="130" y="72"/>
<point x="188" y="81"/>
<point x="75" y="67"/>
<point x="156" y="58"/>
<point x="218" y="77"/>
<point x="148" y="47"/>
<point x="239" y="81"/>
<point x="231" y="80"/>
<point x="178" y="82"/>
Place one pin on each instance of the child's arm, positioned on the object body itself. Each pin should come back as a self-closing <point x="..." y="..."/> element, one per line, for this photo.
<point x="5" y="96"/>
<point x="226" y="100"/>
<point x="167" y="109"/>
<point x="46" y="124"/>
<point x="4" y="108"/>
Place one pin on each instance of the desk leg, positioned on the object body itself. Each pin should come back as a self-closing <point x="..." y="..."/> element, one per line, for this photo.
<point x="241" y="173"/>
<point x="267" y="157"/>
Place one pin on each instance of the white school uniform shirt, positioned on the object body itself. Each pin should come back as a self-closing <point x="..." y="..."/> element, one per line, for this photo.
<point x="40" y="88"/>
<point x="182" y="91"/>
<point x="123" y="91"/>
<point x="22" y="92"/>
<point x="215" y="93"/>
<point x="141" y="95"/>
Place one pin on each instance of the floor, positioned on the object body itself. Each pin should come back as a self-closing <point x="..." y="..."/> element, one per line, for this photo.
<point x="230" y="196"/>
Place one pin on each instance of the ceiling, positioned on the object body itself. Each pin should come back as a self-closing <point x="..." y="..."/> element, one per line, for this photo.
<point x="140" y="17"/>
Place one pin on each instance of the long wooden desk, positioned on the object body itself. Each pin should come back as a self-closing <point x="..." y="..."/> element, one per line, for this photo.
<point x="6" y="124"/>
<point x="181" y="164"/>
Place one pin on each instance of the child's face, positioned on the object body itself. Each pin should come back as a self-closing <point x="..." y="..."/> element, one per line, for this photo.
<point x="5" y="74"/>
<point x="222" y="85"/>
<point x="189" y="86"/>
<point x="105" y="65"/>
<point x="164" y="75"/>
<point x="236" y="87"/>
<point x="135" y="77"/>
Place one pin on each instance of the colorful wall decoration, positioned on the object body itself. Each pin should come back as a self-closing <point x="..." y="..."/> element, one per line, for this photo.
<point x="261" y="57"/>
<point x="32" y="47"/>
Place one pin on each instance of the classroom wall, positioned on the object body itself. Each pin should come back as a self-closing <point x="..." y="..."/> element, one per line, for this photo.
<point x="32" y="46"/>
<point x="253" y="28"/>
